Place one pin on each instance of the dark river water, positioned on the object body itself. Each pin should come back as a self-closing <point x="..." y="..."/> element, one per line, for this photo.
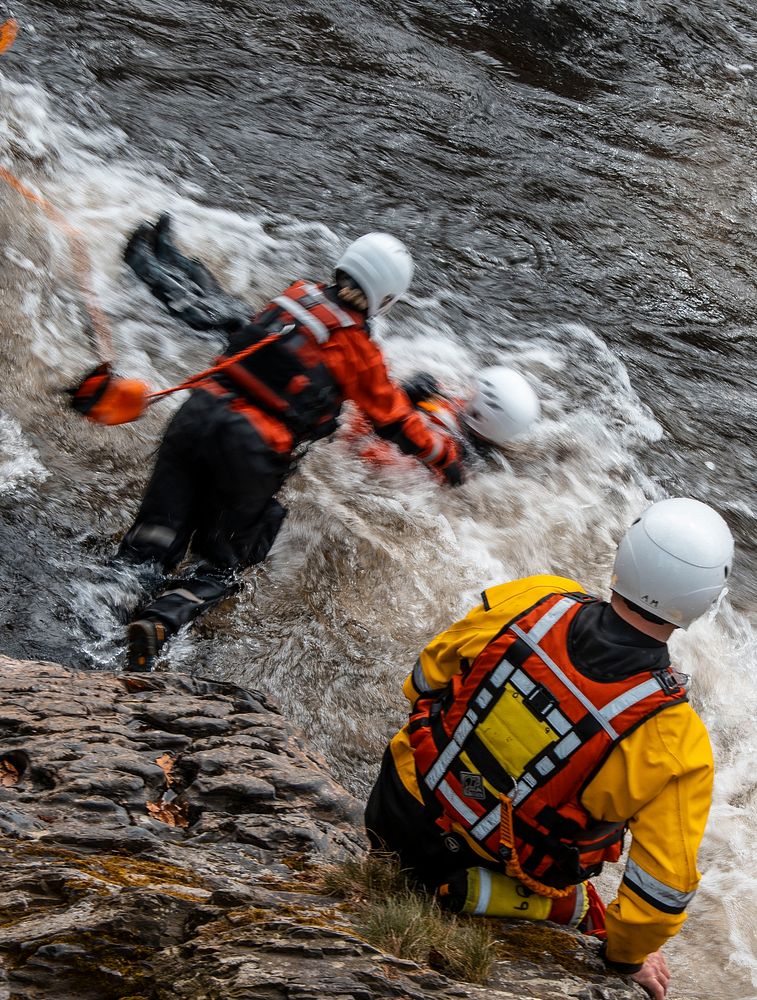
<point x="577" y="183"/>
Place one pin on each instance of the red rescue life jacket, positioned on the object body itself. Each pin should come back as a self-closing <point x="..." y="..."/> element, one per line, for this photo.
<point x="287" y="378"/>
<point x="518" y="736"/>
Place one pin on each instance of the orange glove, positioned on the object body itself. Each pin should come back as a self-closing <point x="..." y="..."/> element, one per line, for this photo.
<point x="106" y="399"/>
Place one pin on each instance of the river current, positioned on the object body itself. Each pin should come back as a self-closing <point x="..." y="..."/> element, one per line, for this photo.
<point x="576" y="182"/>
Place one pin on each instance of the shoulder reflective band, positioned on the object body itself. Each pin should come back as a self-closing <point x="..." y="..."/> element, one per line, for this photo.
<point x="629" y="698"/>
<point x="662" y="897"/>
<point x="307" y="319"/>
<point x="420" y="683"/>
<point x="317" y="294"/>
<point x="539" y="629"/>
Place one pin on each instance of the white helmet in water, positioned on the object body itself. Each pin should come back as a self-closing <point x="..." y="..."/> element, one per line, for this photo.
<point x="674" y="560"/>
<point x="381" y="266"/>
<point x="503" y="405"/>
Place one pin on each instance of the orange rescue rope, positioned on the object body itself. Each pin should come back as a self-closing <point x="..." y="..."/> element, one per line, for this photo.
<point x="81" y="265"/>
<point x="219" y="367"/>
<point x="80" y="262"/>
<point x="136" y="398"/>
<point x="513" y="868"/>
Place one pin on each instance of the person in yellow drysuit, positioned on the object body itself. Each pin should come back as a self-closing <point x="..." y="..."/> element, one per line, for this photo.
<point x="544" y="725"/>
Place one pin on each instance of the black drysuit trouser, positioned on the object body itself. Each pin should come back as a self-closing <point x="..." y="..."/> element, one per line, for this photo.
<point x="212" y="490"/>
<point x="397" y="822"/>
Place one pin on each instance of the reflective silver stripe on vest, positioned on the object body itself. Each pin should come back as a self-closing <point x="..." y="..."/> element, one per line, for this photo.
<point x="528" y="782"/>
<point x="552" y="617"/>
<point x="420" y="683"/>
<point x="486" y="824"/>
<point x="558" y="722"/>
<point x="522" y="683"/>
<point x="629" y="698"/>
<point x="567" y="745"/>
<point x="319" y="330"/>
<point x="524" y="788"/>
<point x="484" y="698"/>
<point x="665" y="897"/>
<point x="484" y="891"/>
<point x="501" y="674"/>
<point x="317" y="293"/>
<point x="456" y="802"/>
<point x="558" y="672"/>
<point x="451" y="751"/>
<point x="578" y="909"/>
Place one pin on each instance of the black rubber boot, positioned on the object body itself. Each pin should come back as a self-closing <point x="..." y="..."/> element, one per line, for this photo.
<point x="144" y="638"/>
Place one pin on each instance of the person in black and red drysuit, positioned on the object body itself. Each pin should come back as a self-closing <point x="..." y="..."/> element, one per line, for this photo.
<point x="500" y="406"/>
<point x="229" y="448"/>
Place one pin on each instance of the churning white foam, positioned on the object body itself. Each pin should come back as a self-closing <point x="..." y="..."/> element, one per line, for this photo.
<point x="373" y="561"/>
<point x="19" y="462"/>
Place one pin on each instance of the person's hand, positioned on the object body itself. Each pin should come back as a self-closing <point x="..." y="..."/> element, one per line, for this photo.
<point x="453" y="474"/>
<point x="420" y="387"/>
<point x="654" y="976"/>
<point x="448" y="463"/>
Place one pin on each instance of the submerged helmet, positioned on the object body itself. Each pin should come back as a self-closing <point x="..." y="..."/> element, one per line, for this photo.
<point x="381" y="266"/>
<point x="503" y="405"/>
<point x="674" y="560"/>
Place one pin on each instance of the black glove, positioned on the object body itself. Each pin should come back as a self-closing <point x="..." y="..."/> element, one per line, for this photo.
<point x="421" y="387"/>
<point x="448" y="462"/>
<point x="453" y="474"/>
<point x="87" y="393"/>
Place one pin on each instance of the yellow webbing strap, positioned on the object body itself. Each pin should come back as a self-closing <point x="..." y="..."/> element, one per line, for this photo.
<point x="513" y="868"/>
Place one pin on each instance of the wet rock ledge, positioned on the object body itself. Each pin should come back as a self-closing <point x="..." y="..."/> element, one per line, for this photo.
<point x="158" y="836"/>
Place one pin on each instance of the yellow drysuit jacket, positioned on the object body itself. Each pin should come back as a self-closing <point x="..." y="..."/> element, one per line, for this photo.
<point x="658" y="779"/>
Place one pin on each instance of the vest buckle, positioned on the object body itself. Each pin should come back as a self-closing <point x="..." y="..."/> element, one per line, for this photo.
<point x="671" y="681"/>
<point x="436" y="707"/>
<point x="540" y="701"/>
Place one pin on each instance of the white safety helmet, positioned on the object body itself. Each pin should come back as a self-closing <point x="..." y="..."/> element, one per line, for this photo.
<point x="503" y="405"/>
<point x="382" y="267"/>
<point x="674" y="560"/>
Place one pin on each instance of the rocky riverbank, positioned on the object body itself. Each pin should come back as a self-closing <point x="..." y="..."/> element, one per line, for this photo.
<point x="160" y="837"/>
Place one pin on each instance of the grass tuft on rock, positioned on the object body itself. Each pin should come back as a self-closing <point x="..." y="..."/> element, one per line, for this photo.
<point x="372" y="877"/>
<point x="390" y="915"/>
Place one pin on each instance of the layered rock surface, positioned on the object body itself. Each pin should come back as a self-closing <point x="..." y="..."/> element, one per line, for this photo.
<point x="157" y="839"/>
